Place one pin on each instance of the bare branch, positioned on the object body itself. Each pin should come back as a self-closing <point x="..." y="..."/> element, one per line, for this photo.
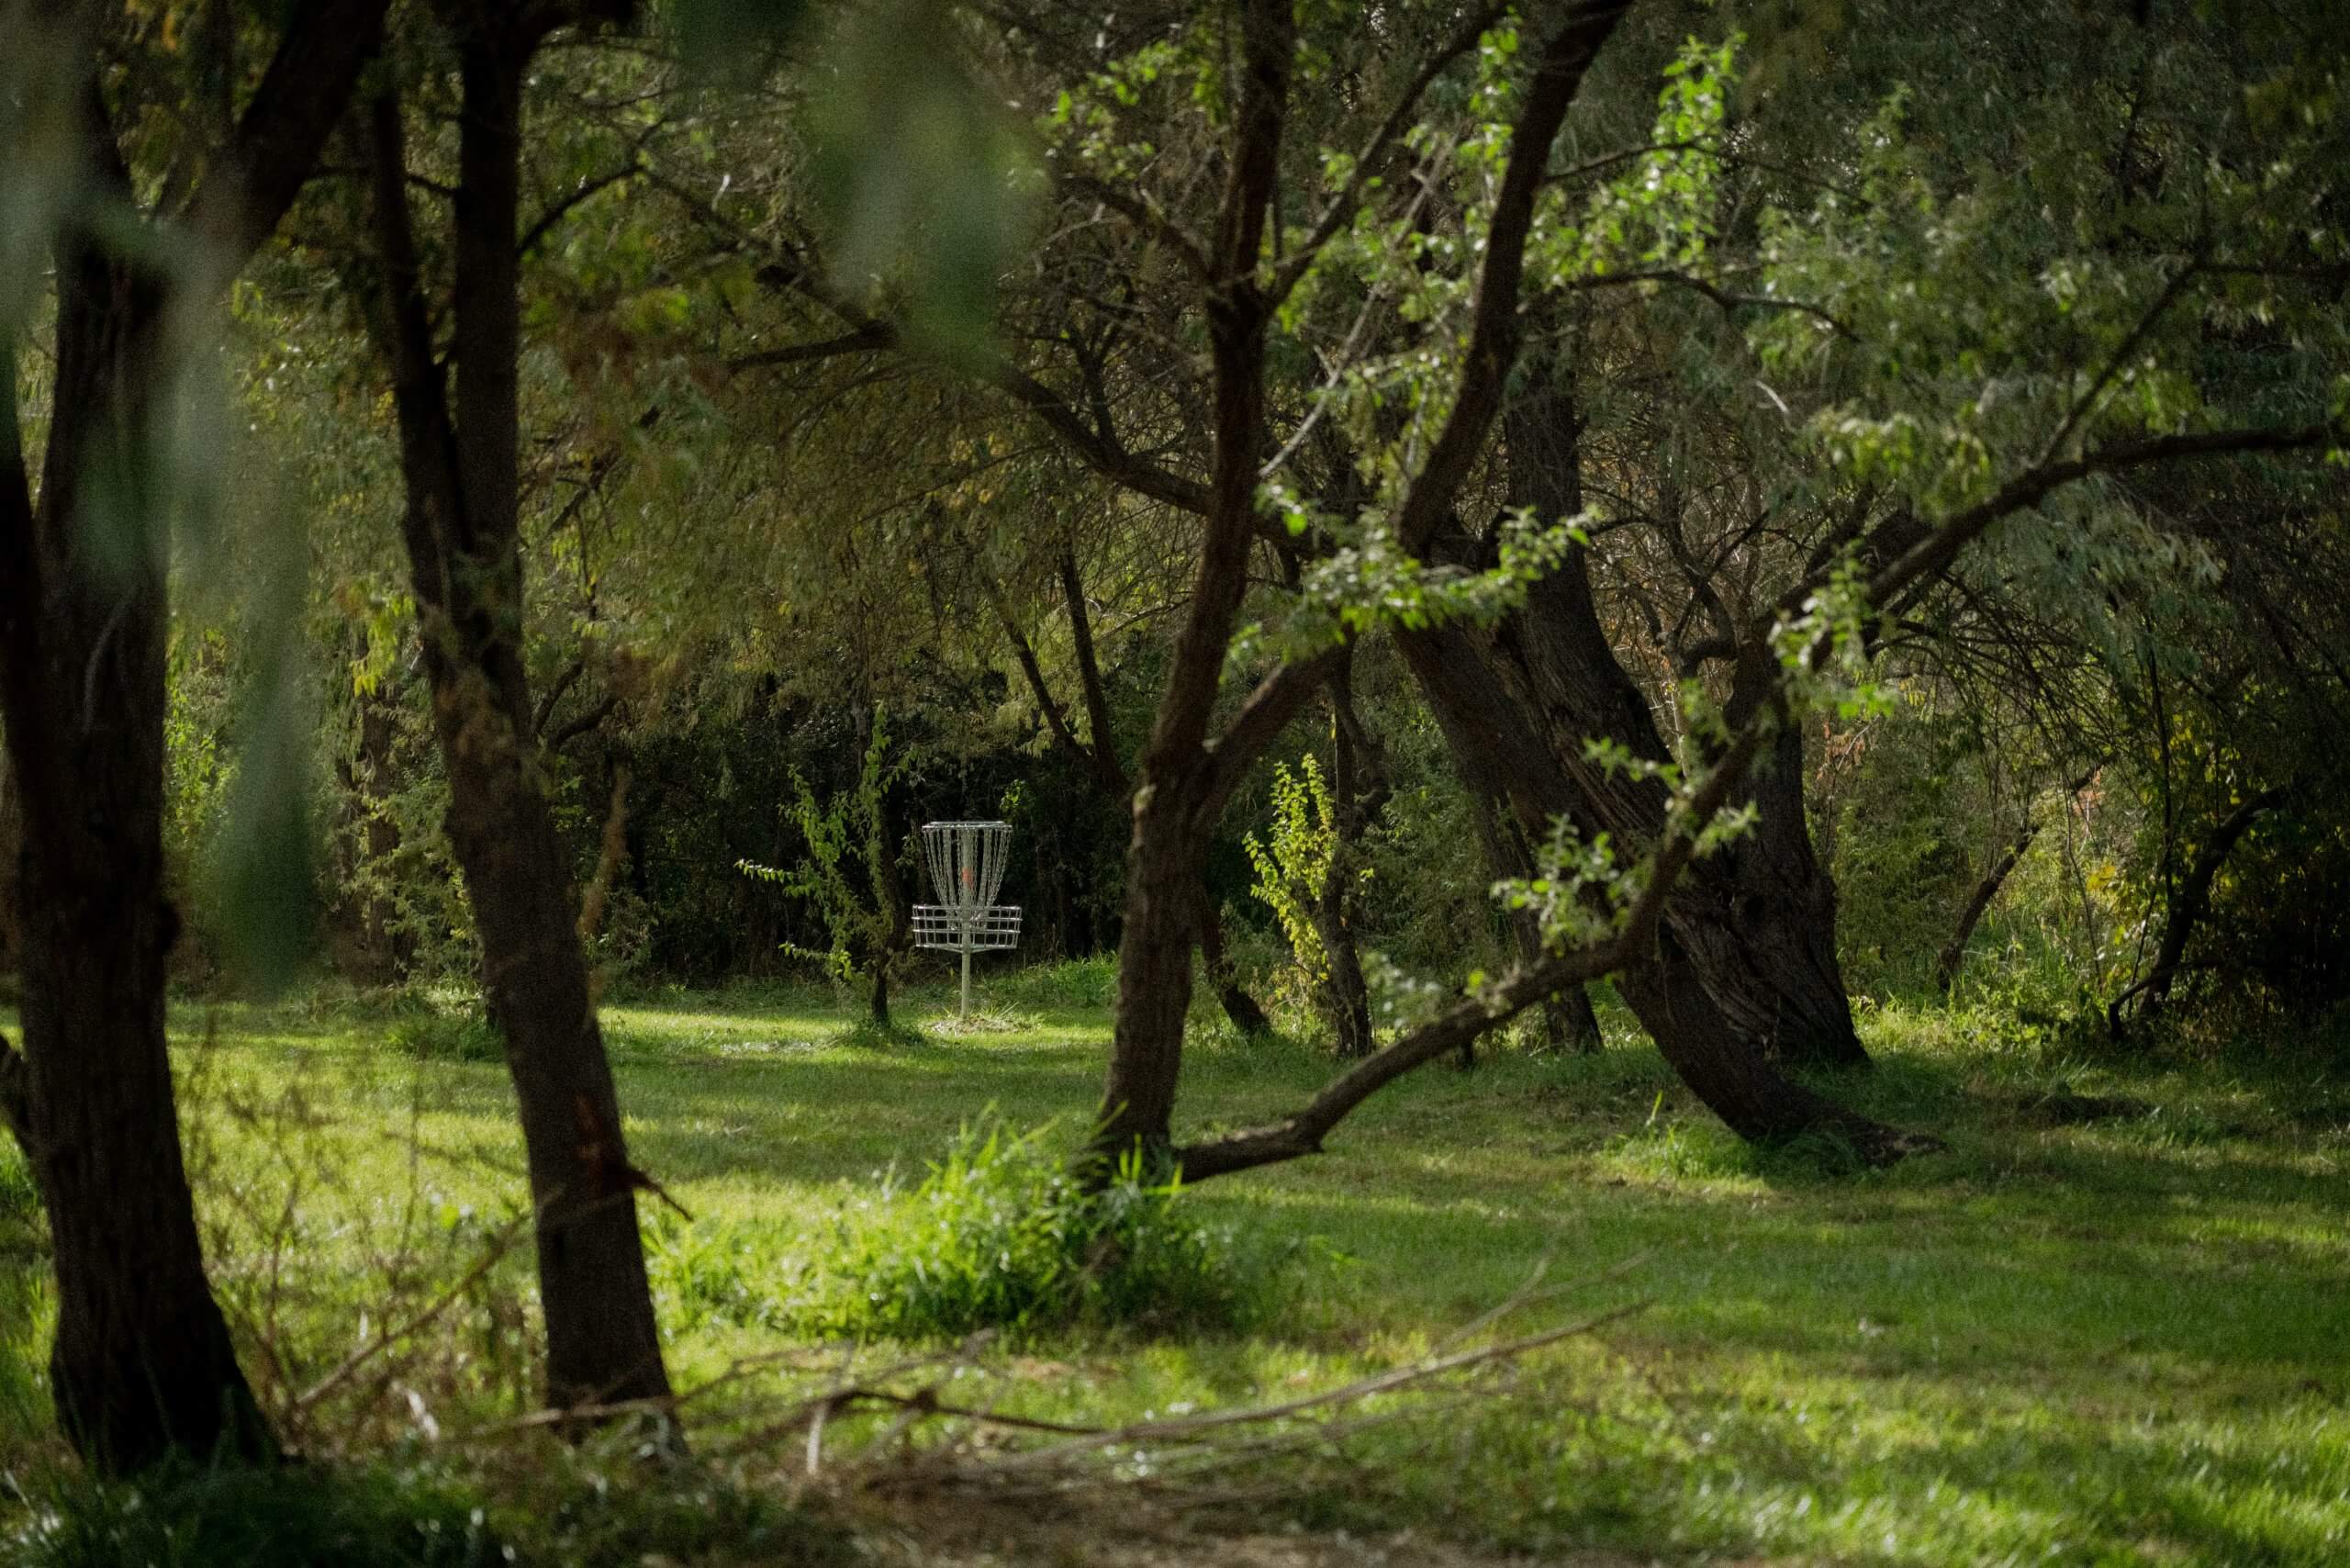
<point x="573" y="200"/>
<point x="788" y="272"/>
<point x="1146" y="215"/>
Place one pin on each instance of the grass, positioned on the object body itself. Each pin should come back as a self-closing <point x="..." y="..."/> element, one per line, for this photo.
<point x="2112" y="1341"/>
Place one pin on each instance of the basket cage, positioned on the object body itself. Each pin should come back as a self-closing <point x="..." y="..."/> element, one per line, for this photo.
<point x="967" y="862"/>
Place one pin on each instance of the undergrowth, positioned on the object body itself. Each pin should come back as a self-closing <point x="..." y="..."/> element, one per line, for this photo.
<point x="609" y="1504"/>
<point x="1000" y="1233"/>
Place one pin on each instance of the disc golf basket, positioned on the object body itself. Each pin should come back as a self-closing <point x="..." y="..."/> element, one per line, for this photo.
<point x="967" y="862"/>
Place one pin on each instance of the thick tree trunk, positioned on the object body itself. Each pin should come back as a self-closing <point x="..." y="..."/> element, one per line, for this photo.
<point x="143" y="1364"/>
<point x="1758" y="920"/>
<point x="462" y="533"/>
<point x="1495" y="747"/>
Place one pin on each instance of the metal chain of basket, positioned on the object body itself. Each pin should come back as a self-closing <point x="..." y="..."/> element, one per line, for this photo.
<point x="967" y="862"/>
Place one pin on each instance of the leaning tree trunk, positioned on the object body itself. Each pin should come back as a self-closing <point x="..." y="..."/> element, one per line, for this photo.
<point x="1758" y="919"/>
<point x="2189" y="902"/>
<point x="1494" y="746"/>
<point x="462" y="533"/>
<point x="1987" y="889"/>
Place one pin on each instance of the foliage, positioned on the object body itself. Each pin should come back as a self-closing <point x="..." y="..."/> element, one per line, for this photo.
<point x="1294" y="860"/>
<point x="1001" y="1234"/>
<point x="852" y="871"/>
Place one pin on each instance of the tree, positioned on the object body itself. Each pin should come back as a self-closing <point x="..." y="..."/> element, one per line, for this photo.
<point x="461" y="526"/>
<point x="143" y="1364"/>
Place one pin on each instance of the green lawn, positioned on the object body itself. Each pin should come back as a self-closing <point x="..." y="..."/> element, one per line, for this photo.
<point x="2119" y="1341"/>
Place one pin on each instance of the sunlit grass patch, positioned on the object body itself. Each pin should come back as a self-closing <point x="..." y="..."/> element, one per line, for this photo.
<point x="2113" y="1338"/>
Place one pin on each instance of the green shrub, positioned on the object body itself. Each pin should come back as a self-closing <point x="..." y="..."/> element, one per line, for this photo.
<point x="1000" y="1235"/>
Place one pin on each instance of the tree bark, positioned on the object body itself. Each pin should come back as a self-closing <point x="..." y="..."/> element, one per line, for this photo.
<point x="462" y="531"/>
<point x="1495" y="747"/>
<point x="1174" y="777"/>
<point x="143" y="1364"/>
<point x="1757" y="920"/>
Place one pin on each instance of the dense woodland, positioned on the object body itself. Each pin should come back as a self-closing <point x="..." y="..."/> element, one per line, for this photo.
<point x="1455" y="535"/>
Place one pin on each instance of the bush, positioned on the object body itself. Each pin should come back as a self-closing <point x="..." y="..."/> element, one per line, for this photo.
<point x="1000" y="1235"/>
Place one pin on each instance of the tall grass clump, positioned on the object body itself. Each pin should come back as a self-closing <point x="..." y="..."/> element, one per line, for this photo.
<point x="1072" y="985"/>
<point x="1001" y="1234"/>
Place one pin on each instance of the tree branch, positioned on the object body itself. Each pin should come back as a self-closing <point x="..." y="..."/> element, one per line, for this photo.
<point x="554" y="693"/>
<point x="787" y="272"/>
<point x="305" y="90"/>
<point x="571" y="202"/>
<point x="1146" y="215"/>
<point x="1335" y="217"/>
<point x="1495" y="331"/>
<point x="1302" y="1132"/>
<point x="1104" y="751"/>
<point x="584" y="723"/>
<point x="1939" y="549"/>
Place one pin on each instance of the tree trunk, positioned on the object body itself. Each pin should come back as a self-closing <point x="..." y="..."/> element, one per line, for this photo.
<point x="12" y="845"/>
<point x="1238" y="1006"/>
<point x="373" y="949"/>
<point x="461" y="528"/>
<point x="1358" y="793"/>
<point x="143" y="1364"/>
<point x="1494" y="746"/>
<point x="1757" y="920"/>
